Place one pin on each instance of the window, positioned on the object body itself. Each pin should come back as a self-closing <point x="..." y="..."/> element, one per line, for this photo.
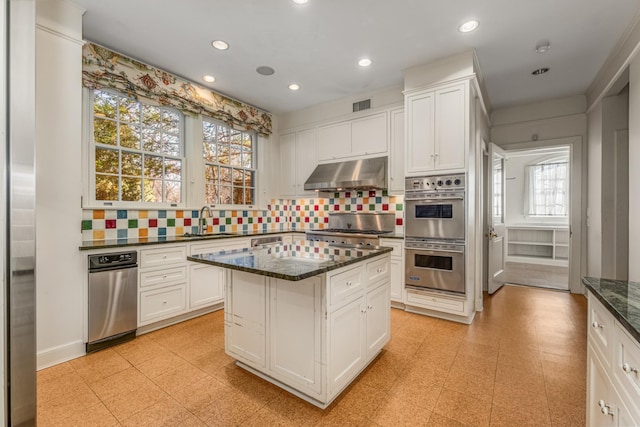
<point x="548" y="189"/>
<point x="230" y="159"/>
<point x="137" y="151"/>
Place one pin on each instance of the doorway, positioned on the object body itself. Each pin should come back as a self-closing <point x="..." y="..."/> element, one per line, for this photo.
<point x="537" y="206"/>
<point x="542" y="205"/>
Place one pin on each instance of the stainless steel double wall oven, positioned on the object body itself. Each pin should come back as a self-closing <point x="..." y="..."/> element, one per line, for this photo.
<point x="435" y="217"/>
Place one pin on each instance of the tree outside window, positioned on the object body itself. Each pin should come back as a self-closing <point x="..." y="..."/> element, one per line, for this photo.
<point x="230" y="160"/>
<point x="138" y="151"/>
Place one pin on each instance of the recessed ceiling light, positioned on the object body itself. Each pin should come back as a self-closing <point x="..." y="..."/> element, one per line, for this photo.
<point x="468" y="26"/>
<point x="220" y="44"/>
<point x="300" y="1"/>
<point x="209" y="79"/>
<point x="540" y="71"/>
<point x="294" y="86"/>
<point x="364" y="62"/>
<point x="542" y="47"/>
<point x="265" y="70"/>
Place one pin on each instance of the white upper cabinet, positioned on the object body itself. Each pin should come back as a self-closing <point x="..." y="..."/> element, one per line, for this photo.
<point x="436" y="126"/>
<point x="298" y="158"/>
<point x="353" y="138"/>
<point x="334" y="141"/>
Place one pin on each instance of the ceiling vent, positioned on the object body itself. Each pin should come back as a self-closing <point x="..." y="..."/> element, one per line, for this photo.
<point x="362" y="105"/>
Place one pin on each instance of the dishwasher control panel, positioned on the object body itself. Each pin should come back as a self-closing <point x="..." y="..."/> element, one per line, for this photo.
<point x="112" y="260"/>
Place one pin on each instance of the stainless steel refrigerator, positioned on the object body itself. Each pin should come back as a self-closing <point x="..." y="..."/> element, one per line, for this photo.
<point x="17" y="161"/>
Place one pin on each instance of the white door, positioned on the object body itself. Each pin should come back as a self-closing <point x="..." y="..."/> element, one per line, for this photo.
<point x="496" y="203"/>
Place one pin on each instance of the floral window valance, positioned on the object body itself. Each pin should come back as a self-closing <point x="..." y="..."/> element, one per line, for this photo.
<point x="103" y="68"/>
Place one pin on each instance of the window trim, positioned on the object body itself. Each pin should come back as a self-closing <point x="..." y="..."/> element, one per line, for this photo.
<point x="88" y="200"/>
<point x="255" y="169"/>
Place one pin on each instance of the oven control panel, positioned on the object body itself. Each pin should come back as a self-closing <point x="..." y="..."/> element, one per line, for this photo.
<point x="435" y="183"/>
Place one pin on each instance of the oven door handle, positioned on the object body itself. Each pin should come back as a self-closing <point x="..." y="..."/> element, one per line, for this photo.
<point x="432" y="200"/>
<point x="450" y="251"/>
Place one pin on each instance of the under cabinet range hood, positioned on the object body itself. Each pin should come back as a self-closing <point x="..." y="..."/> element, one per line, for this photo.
<point x="364" y="174"/>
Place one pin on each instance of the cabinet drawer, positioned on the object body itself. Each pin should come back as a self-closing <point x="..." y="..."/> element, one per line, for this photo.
<point x="396" y="245"/>
<point x="344" y="285"/>
<point x="600" y="329"/>
<point x="438" y="303"/>
<point x="162" y="303"/>
<point x="377" y="271"/>
<point x="626" y="360"/>
<point x="165" y="276"/>
<point x="163" y="256"/>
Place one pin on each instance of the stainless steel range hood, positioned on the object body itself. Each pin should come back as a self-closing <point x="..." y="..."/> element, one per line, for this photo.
<point x="365" y="174"/>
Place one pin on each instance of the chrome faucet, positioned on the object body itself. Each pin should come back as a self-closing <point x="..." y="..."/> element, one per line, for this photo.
<point x="202" y="220"/>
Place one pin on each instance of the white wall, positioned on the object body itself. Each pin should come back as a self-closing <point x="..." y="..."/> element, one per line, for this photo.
<point x="634" y="170"/>
<point x="337" y="110"/>
<point x="594" y="210"/>
<point x="60" y="267"/>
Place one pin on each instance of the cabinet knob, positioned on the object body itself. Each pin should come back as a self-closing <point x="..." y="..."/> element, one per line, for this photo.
<point x="379" y="270"/>
<point x="164" y="302"/>
<point x="604" y="408"/>
<point x="364" y="310"/>
<point x="629" y="369"/>
<point x="348" y="283"/>
<point x="597" y="325"/>
<point x="369" y="307"/>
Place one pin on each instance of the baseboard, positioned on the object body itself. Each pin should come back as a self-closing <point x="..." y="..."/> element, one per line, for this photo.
<point x="60" y="354"/>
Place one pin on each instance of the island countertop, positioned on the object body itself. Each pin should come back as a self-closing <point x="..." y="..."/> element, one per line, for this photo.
<point x="621" y="298"/>
<point x="294" y="261"/>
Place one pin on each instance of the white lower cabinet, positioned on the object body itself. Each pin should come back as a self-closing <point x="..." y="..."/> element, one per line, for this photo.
<point x="245" y="318"/>
<point x="397" y="268"/>
<point x="378" y="317"/>
<point x="161" y="303"/>
<point x="613" y="371"/>
<point x="295" y="327"/>
<point x="206" y="285"/>
<point x="163" y="283"/>
<point x="312" y="343"/>
<point x="347" y="349"/>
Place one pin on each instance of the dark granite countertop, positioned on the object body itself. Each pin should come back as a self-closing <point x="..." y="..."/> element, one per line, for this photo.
<point x="120" y="243"/>
<point x="294" y="262"/>
<point x="621" y="298"/>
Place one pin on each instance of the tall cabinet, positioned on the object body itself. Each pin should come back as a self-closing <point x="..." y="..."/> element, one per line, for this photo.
<point x="437" y="123"/>
<point x="298" y="158"/>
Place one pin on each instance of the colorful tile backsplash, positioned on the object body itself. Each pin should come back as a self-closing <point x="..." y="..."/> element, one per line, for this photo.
<point x="280" y="215"/>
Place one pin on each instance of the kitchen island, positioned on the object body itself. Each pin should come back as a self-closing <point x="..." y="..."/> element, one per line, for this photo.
<point x="306" y="316"/>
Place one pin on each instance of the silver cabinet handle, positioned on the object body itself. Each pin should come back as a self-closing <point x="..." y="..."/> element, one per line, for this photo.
<point x="629" y="369"/>
<point x="604" y="408"/>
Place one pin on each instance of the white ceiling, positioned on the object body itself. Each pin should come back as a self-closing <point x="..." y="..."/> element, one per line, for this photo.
<point x="317" y="45"/>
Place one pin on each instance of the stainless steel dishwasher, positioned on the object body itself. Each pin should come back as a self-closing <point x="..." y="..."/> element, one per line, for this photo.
<point x="113" y="299"/>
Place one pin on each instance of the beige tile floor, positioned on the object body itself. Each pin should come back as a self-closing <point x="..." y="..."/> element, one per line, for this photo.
<point x="522" y="362"/>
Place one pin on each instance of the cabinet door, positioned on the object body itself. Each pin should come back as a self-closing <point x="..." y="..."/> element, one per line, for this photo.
<point x="295" y="333"/>
<point x="334" y="141"/>
<point x="450" y="129"/>
<point x="396" y="152"/>
<point x="306" y="158"/>
<point x="397" y="280"/>
<point x="288" y="164"/>
<point x="245" y="333"/>
<point x="346" y="344"/>
<point x="369" y="135"/>
<point x="598" y="389"/>
<point x="378" y="312"/>
<point x="419" y="155"/>
<point x="206" y="285"/>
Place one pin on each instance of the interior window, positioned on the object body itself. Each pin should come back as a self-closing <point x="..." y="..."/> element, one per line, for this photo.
<point x="230" y="159"/>
<point x="138" y="151"/>
<point x="548" y="188"/>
